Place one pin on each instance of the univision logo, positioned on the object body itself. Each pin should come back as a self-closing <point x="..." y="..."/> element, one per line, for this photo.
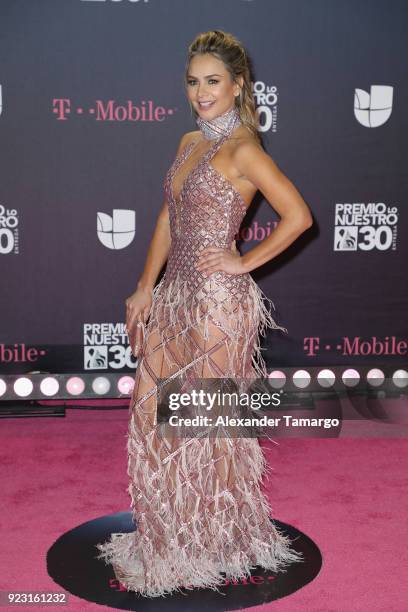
<point x="374" y="108"/>
<point x="116" y="231"/>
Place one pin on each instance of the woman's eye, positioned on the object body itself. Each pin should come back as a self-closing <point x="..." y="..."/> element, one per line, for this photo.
<point x="192" y="81"/>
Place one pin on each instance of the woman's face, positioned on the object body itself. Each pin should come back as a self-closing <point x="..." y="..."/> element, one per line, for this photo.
<point x="209" y="86"/>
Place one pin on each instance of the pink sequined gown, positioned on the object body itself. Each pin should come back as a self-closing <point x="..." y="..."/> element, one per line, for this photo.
<point x="197" y="502"/>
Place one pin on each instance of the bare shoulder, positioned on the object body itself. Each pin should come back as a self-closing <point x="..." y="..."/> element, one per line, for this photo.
<point x="193" y="135"/>
<point x="190" y="136"/>
<point x="186" y="139"/>
<point x="245" y="144"/>
<point x="249" y="153"/>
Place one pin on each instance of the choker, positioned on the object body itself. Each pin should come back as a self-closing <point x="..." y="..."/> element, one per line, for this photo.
<point x="213" y="129"/>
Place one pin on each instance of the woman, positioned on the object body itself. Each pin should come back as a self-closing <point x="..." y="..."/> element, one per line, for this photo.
<point x="197" y="500"/>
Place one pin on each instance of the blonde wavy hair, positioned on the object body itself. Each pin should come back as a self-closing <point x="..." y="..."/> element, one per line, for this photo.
<point x="227" y="48"/>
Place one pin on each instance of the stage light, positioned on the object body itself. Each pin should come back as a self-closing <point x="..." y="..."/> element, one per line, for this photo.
<point x="126" y="384"/>
<point x="375" y="377"/>
<point x="277" y="379"/>
<point x="350" y="377"/>
<point x="301" y="379"/>
<point x="49" y="386"/>
<point x="326" y="378"/>
<point x="23" y="387"/>
<point x="377" y="383"/>
<point x="101" y="385"/>
<point x="75" y="385"/>
<point x="400" y="378"/>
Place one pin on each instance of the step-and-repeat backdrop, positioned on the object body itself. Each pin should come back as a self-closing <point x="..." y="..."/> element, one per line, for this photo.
<point x="92" y="110"/>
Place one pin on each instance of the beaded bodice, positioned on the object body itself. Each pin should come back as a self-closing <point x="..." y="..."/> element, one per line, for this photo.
<point x="208" y="211"/>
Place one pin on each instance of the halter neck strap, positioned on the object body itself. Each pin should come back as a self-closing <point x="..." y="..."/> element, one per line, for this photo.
<point x="220" y="126"/>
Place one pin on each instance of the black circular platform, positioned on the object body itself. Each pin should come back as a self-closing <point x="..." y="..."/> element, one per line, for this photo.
<point x="71" y="563"/>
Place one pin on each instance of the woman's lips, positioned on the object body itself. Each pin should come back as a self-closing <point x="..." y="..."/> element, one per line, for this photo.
<point x="205" y="105"/>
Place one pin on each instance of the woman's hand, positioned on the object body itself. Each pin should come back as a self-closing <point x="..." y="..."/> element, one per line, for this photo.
<point x="137" y="311"/>
<point x="216" y="259"/>
<point x="138" y="306"/>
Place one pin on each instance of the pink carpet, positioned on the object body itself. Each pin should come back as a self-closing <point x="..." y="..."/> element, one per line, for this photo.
<point x="349" y="495"/>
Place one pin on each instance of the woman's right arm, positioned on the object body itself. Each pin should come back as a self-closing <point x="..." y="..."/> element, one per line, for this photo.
<point x="160" y="244"/>
<point x="138" y="304"/>
<point x="157" y="252"/>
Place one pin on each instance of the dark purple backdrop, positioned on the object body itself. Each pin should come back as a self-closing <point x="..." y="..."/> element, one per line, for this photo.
<point x="75" y="75"/>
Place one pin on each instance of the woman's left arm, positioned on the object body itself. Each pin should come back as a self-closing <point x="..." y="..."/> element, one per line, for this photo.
<point x="281" y="195"/>
<point x="259" y="168"/>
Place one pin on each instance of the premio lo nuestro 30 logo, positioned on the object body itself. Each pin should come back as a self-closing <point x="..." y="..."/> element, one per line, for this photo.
<point x="365" y="227"/>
